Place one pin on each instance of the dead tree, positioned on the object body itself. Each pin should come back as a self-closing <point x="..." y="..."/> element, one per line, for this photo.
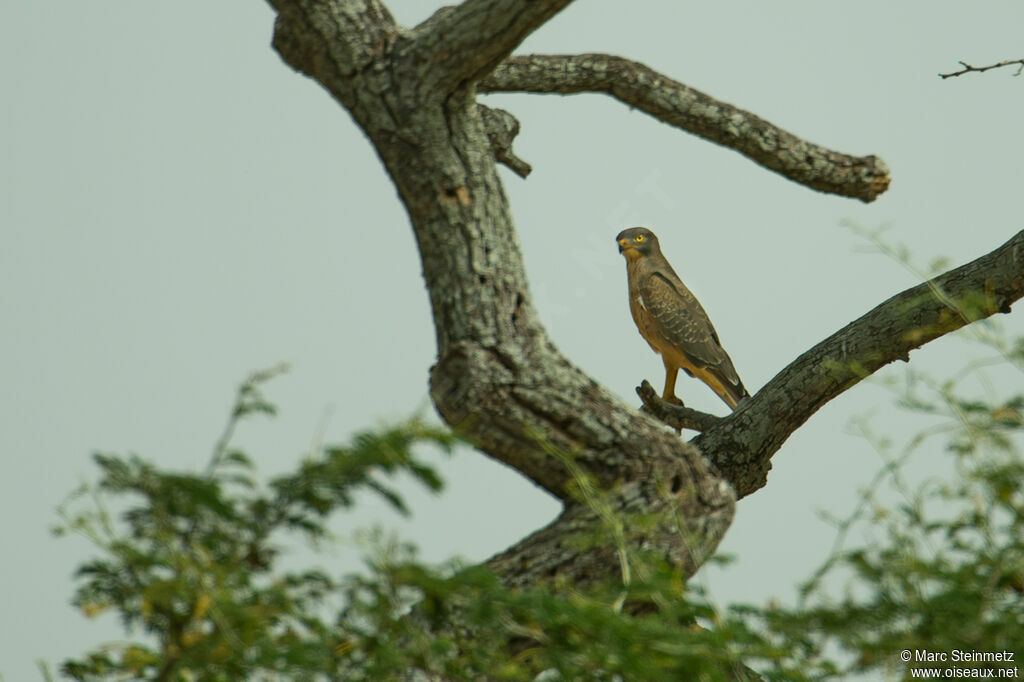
<point x="498" y="377"/>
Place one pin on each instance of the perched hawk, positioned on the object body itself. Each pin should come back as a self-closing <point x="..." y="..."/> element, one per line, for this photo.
<point x="673" y="322"/>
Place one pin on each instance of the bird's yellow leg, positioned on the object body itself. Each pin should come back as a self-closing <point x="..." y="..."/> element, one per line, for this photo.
<point x="669" y="394"/>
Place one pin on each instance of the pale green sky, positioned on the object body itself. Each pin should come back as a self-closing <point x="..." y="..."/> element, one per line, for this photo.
<point x="178" y="208"/>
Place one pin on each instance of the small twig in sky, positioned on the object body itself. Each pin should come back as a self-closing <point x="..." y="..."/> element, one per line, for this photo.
<point x="981" y="69"/>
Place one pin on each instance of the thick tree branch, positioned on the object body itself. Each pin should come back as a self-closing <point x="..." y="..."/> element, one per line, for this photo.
<point x="741" y="445"/>
<point x="860" y="177"/>
<point x="1019" y="63"/>
<point x="581" y="547"/>
<point x="352" y="34"/>
<point x="463" y="43"/>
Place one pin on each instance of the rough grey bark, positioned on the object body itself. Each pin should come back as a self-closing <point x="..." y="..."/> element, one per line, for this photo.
<point x="498" y="377"/>
<point x="861" y="177"/>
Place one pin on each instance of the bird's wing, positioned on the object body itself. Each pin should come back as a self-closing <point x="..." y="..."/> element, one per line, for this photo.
<point x="681" y="322"/>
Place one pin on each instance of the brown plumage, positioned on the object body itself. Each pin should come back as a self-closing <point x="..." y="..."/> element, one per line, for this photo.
<point x="673" y="322"/>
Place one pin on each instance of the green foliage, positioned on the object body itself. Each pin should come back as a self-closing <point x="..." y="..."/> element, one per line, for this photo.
<point x="943" y="568"/>
<point x="945" y="571"/>
<point x="191" y="564"/>
<point x="949" y="572"/>
<point x="507" y="634"/>
<point x="191" y="560"/>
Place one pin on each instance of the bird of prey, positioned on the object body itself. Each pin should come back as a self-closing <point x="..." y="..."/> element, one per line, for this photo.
<point x="673" y="322"/>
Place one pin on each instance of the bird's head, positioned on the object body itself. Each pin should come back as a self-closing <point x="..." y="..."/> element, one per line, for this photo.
<point x="637" y="242"/>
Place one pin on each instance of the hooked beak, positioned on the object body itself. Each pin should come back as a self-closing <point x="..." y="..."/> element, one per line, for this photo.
<point x="624" y="244"/>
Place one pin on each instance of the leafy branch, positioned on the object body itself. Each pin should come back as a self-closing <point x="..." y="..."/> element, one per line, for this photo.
<point x="191" y="560"/>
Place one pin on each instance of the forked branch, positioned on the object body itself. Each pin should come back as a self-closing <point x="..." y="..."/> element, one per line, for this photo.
<point x="860" y="177"/>
<point x="463" y="42"/>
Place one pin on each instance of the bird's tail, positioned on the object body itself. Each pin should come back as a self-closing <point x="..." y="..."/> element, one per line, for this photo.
<point x="732" y="391"/>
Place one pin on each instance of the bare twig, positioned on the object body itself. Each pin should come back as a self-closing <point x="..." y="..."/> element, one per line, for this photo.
<point x="676" y="416"/>
<point x="982" y="69"/>
<point x="860" y="177"/>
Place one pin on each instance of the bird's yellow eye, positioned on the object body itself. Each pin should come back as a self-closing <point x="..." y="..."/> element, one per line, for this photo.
<point x="639" y="237"/>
